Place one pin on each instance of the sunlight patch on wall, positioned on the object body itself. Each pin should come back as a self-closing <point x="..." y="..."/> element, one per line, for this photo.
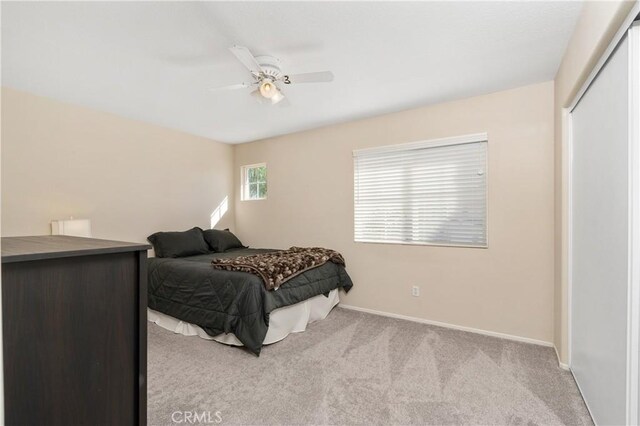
<point x="219" y="211"/>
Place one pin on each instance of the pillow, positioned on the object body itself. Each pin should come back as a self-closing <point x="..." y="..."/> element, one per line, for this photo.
<point x="179" y="244"/>
<point x="221" y="240"/>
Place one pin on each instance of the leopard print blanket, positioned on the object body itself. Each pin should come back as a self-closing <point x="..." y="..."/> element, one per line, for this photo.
<point x="278" y="267"/>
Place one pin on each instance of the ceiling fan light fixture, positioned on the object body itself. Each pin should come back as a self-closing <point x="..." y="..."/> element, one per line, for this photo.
<point x="266" y="72"/>
<point x="268" y="89"/>
<point x="277" y="97"/>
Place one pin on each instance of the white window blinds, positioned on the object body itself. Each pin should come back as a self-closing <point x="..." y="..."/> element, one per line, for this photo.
<point x="423" y="193"/>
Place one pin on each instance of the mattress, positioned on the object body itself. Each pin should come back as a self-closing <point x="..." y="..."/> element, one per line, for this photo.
<point x="282" y="322"/>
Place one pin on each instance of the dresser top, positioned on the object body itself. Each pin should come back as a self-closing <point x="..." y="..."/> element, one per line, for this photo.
<point x="20" y="249"/>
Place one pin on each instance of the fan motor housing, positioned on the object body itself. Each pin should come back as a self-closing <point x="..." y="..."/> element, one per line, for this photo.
<point x="270" y="66"/>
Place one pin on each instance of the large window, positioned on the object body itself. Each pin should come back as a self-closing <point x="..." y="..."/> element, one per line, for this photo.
<point x="254" y="182"/>
<point x="432" y="192"/>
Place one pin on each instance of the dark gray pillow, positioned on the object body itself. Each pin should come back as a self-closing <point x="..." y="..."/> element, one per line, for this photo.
<point x="221" y="240"/>
<point x="179" y="244"/>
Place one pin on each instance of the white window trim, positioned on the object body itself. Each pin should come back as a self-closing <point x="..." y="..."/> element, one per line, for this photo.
<point x="432" y="143"/>
<point x="243" y="182"/>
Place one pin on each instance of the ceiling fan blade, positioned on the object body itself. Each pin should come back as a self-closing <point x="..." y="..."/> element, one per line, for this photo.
<point x="309" y="77"/>
<point x="231" y="87"/>
<point x="246" y="58"/>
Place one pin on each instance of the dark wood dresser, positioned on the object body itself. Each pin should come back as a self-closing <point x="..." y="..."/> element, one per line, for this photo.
<point x="74" y="330"/>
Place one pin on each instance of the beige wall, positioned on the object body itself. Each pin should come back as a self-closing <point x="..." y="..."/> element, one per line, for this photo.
<point x="598" y="23"/>
<point x="507" y="288"/>
<point x="128" y="177"/>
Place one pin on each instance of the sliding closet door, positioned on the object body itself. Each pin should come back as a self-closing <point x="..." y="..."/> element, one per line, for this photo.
<point x="600" y="241"/>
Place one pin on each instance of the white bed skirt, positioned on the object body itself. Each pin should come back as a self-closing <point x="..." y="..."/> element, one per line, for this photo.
<point x="282" y="321"/>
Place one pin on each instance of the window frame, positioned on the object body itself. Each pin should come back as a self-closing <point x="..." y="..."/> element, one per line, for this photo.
<point x="425" y="144"/>
<point x="244" y="182"/>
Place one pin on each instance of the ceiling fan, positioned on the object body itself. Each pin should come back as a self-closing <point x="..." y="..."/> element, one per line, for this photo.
<point x="266" y="74"/>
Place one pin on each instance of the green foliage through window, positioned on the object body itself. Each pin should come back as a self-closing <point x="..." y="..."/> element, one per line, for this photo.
<point x="255" y="182"/>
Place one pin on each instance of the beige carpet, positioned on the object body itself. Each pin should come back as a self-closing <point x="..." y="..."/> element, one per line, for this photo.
<point x="356" y="368"/>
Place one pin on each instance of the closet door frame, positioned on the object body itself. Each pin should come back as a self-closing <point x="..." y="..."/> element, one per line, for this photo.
<point x="633" y="350"/>
<point x="630" y="29"/>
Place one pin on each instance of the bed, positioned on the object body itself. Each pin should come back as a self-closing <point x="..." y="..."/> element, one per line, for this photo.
<point x="188" y="295"/>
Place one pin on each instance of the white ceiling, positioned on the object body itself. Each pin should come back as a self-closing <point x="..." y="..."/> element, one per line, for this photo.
<point x="155" y="61"/>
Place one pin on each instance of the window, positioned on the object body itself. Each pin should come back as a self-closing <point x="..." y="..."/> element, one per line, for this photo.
<point x="432" y="192"/>
<point x="254" y="182"/>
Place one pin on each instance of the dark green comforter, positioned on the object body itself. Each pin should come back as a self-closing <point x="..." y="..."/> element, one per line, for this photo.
<point x="189" y="289"/>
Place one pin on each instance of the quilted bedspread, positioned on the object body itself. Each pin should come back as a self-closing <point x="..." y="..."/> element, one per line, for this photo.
<point x="223" y="301"/>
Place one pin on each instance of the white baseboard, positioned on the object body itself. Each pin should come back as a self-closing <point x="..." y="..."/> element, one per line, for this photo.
<point x="561" y="364"/>
<point x="452" y="326"/>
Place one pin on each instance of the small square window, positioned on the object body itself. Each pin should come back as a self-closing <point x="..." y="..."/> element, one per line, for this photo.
<point x="254" y="182"/>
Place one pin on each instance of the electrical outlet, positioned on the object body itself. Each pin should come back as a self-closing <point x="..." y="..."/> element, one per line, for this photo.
<point x="415" y="291"/>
